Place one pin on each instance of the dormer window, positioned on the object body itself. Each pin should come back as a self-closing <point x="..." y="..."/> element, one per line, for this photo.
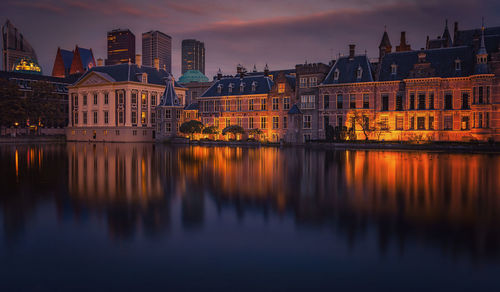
<point x="242" y="86"/>
<point x="254" y="86"/>
<point x="421" y="57"/>
<point x="394" y="69"/>
<point x="359" y="72"/>
<point x="336" y="74"/>
<point x="219" y="88"/>
<point x="230" y="88"/>
<point x="458" y="65"/>
<point x="144" y="78"/>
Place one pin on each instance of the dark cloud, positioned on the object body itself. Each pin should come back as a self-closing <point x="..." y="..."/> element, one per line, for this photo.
<point x="281" y="33"/>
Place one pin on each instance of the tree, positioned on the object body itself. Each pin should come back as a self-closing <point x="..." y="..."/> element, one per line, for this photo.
<point x="363" y="121"/>
<point x="234" y="129"/>
<point x="191" y="127"/>
<point x="12" y="106"/>
<point x="44" y="106"/>
<point x="211" y="130"/>
<point x="255" y="132"/>
<point x="329" y="133"/>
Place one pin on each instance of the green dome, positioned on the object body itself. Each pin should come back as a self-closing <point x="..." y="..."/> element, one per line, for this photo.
<point x="193" y="76"/>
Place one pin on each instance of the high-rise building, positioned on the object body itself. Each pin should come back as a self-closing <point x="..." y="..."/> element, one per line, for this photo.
<point x="193" y="55"/>
<point x="156" y="44"/>
<point x="121" y="47"/>
<point x="15" y="47"/>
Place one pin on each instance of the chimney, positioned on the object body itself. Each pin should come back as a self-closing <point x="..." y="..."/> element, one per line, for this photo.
<point x="219" y="74"/>
<point x="157" y="64"/>
<point x="99" y="62"/>
<point x="352" y="49"/>
<point x="138" y="60"/>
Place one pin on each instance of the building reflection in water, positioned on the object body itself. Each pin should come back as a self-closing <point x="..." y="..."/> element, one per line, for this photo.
<point x="447" y="201"/>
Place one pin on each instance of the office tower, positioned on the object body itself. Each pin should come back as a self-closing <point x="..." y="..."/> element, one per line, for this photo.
<point x="121" y="47"/>
<point x="15" y="47"/>
<point x="156" y="44"/>
<point x="193" y="55"/>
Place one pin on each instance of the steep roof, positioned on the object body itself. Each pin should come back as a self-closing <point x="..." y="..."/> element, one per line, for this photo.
<point x="169" y="97"/>
<point x="87" y="57"/>
<point x="472" y="37"/>
<point x="294" y="110"/>
<point x="263" y="86"/>
<point x="192" y="106"/>
<point x="441" y="60"/>
<point x="292" y="80"/>
<point x="67" y="57"/>
<point x="132" y="72"/>
<point x="347" y="69"/>
<point x="385" y="42"/>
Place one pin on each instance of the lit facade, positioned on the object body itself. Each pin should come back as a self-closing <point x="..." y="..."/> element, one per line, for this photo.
<point x="15" y="48"/>
<point x="117" y="103"/>
<point x="121" y="47"/>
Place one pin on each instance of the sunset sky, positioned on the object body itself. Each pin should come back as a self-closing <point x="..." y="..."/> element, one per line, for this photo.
<point x="280" y="33"/>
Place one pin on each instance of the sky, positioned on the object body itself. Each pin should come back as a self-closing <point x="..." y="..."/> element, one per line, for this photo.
<point x="251" y="32"/>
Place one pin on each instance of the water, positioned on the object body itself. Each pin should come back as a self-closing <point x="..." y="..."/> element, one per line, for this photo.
<point x="140" y="217"/>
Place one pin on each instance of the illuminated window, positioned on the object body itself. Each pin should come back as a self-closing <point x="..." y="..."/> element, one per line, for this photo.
<point x="144" y="99"/>
<point x="228" y="122"/>
<point x="303" y="82"/>
<point x="144" y="119"/>
<point x="399" y="123"/>
<point x="275" y="123"/>
<point x="263" y="104"/>
<point x="250" y="123"/>
<point x="238" y="105"/>
<point x="366" y="100"/>
<point x="465" y="123"/>
<point x="306" y="122"/>
<point x="384" y="122"/>
<point x="275" y="103"/>
<point x="263" y="122"/>
<point x="250" y="104"/>
<point x="281" y="87"/>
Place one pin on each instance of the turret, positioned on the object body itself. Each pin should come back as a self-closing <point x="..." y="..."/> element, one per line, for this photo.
<point x="482" y="56"/>
<point x="385" y="46"/>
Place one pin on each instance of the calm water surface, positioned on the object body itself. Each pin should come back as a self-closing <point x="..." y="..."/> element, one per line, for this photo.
<point x="140" y="217"/>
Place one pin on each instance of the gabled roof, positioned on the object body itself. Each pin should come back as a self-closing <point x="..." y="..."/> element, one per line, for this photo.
<point x="169" y="97"/>
<point x="441" y="60"/>
<point x="87" y="57"/>
<point x="263" y="86"/>
<point x="385" y="42"/>
<point x="67" y="57"/>
<point x="294" y="110"/>
<point x="291" y="80"/>
<point x="472" y="37"/>
<point x="132" y="72"/>
<point x="348" y="68"/>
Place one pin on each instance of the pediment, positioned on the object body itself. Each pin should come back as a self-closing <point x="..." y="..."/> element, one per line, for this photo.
<point x="95" y="78"/>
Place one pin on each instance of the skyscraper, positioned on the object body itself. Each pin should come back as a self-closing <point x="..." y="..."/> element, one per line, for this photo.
<point x="156" y="44"/>
<point x="14" y="47"/>
<point x="121" y="47"/>
<point x="193" y="55"/>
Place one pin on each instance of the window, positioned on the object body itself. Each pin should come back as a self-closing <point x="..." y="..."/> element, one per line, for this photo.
<point x="411" y="126"/>
<point x="106" y="98"/>
<point x="420" y="123"/>
<point x="326" y="101"/>
<point x="144" y="118"/>
<point x="84" y="118"/>
<point x="399" y="102"/>
<point x="228" y="122"/>
<point x="307" y="101"/>
<point x="120" y="117"/>
<point x="153" y="99"/>
<point x="385" y="102"/>
<point x="480" y="120"/>
<point x="250" y="104"/>
<point x="250" y="123"/>
<point x="431" y="100"/>
<point x="144" y="98"/>
<point x="84" y="99"/>
<point x="307" y="122"/>
<point x="94" y="114"/>
<point x="384" y="122"/>
<point x="106" y="117"/>
<point x="486" y="120"/>
<point x="326" y="121"/>
<point x="336" y="74"/>
<point x="275" y="103"/>
<point x="144" y="78"/>
<point x="168" y="128"/>
<point x="95" y="98"/>
<point x="75" y="99"/>
<point x="399" y="123"/>
<point x="238" y="104"/>
<point x="227" y="105"/>
<point x="168" y="114"/>
<point x="480" y="95"/>
<point x="487" y="94"/>
<point x="178" y="114"/>
<point x="412" y="101"/>
<point x="275" y="123"/>
<point x="286" y="103"/>
<point x="313" y="81"/>
<point x="285" y="124"/>
<point x="153" y="117"/>
<point x="394" y="69"/>
<point x="421" y="101"/>
<point x="76" y="118"/>
<point x="263" y="122"/>
<point x="303" y="82"/>
<point x="366" y="100"/>
<point x="448" y="122"/>
<point x="242" y="86"/>
<point x="262" y="104"/>
<point x="352" y="101"/>
<point x="134" y="117"/>
<point x="431" y="123"/>
<point x="465" y="100"/>
<point x="121" y="97"/>
<point x="307" y="137"/>
<point x="239" y="122"/>
<point x="219" y="88"/>
<point x="134" y="98"/>
<point x="340" y="101"/>
<point x="281" y="87"/>
<point x="448" y="101"/>
<point x="473" y="95"/>
<point x="465" y="123"/>
<point x="458" y="65"/>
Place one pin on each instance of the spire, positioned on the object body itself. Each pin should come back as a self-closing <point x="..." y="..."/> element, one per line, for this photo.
<point x="385" y="42"/>
<point x="482" y="55"/>
<point x="169" y="97"/>
<point x="446" y="36"/>
<point x="482" y="49"/>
